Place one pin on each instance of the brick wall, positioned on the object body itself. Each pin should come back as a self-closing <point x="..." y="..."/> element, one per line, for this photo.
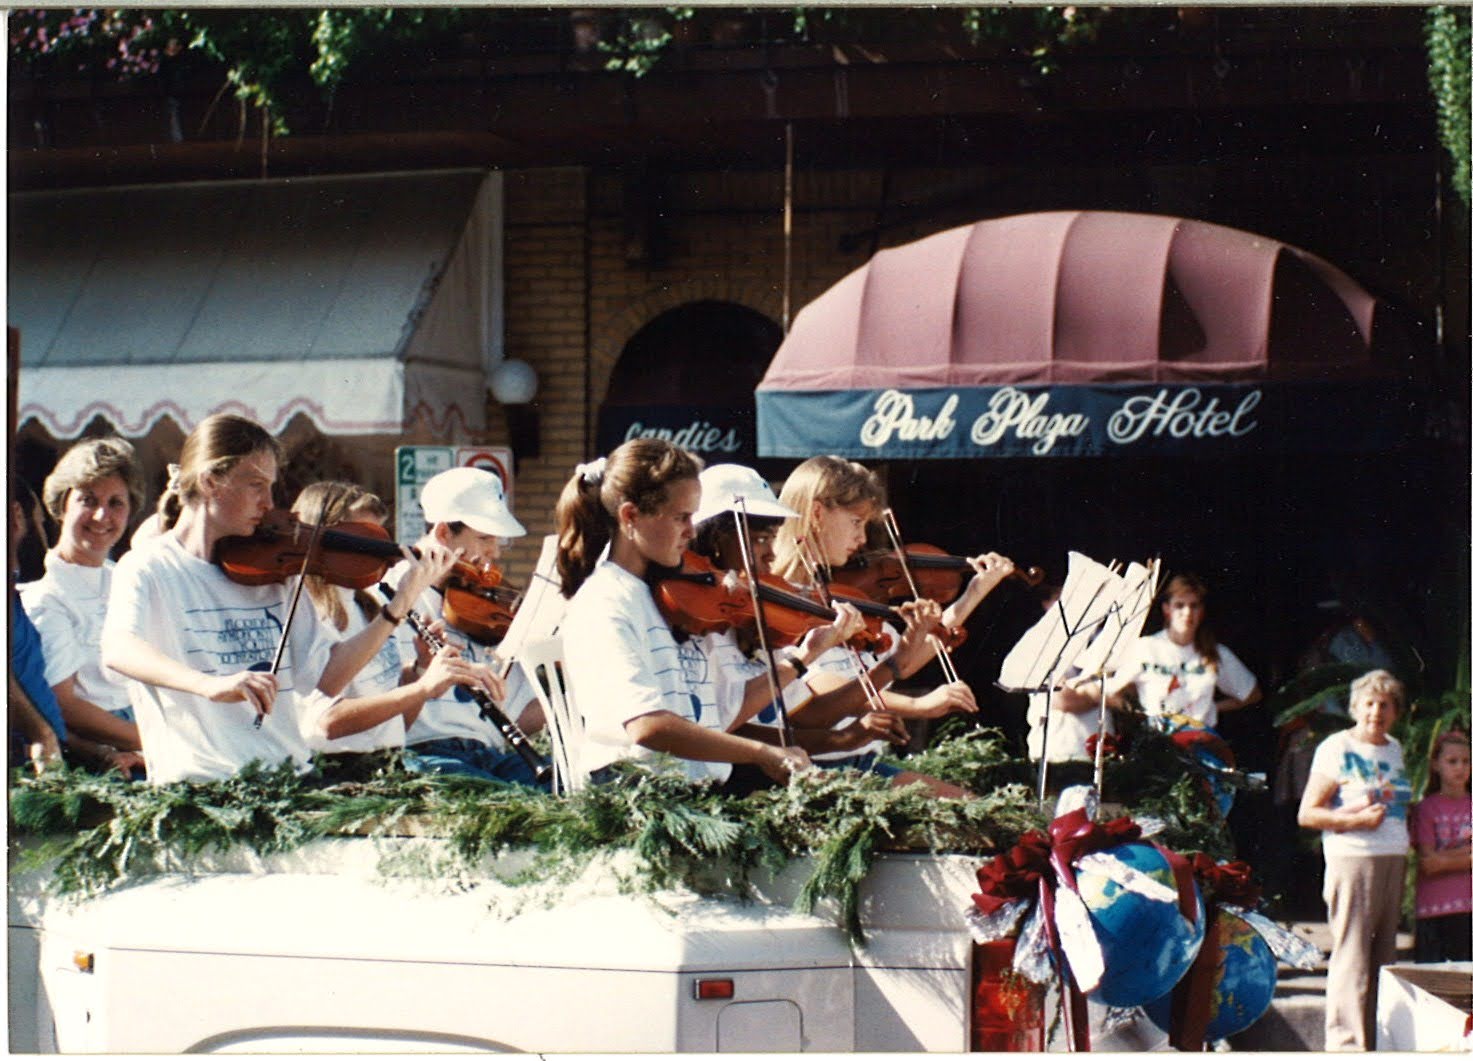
<point x="573" y="301"/>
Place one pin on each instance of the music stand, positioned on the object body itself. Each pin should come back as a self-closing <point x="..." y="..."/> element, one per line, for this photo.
<point x="1123" y="624"/>
<point x="1049" y="646"/>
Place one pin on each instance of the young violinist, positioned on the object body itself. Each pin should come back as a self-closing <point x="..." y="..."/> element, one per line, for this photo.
<point x="197" y="646"/>
<point x="620" y="519"/>
<point x="466" y="513"/>
<point x="739" y="686"/>
<point x="347" y="613"/>
<point x="836" y="499"/>
<point x="91" y="493"/>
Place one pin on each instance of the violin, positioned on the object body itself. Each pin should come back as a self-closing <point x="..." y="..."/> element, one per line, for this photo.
<point x="356" y="555"/>
<point x="699" y="598"/>
<point x="939" y="575"/>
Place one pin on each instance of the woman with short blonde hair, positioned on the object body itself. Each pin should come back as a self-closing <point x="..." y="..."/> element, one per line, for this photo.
<point x="92" y="493"/>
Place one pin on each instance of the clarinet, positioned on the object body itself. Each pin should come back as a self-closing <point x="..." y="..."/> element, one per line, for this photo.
<point x="513" y="734"/>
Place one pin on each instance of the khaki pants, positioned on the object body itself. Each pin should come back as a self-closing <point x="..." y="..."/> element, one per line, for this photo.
<point x="1364" y="897"/>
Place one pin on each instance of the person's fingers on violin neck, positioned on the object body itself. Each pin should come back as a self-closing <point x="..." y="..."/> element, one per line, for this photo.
<point x="849" y="619"/>
<point x="434" y="563"/>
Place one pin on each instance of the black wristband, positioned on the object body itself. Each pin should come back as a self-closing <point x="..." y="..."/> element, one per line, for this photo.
<point x="389" y="617"/>
<point x="798" y="665"/>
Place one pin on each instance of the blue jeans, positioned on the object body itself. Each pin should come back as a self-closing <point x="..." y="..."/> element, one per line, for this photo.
<point x="869" y="763"/>
<point x="457" y="755"/>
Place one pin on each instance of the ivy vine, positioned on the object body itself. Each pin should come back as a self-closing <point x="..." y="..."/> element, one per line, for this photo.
<point x="1449" y="68"/>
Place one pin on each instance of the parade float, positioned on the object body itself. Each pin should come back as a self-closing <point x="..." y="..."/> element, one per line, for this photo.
<point x="363" y="908"/>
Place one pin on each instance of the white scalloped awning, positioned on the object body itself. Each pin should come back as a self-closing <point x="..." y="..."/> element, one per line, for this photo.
<point x="367" y="303"/>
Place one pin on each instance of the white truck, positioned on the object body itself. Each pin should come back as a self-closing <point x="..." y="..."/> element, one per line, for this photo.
<point x="320" y="951"/>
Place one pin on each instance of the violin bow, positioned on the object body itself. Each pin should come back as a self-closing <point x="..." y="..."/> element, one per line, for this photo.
<point x="820" y="582"/>
<point x="749" y="561"/>
<point x="943" y="654"/>
<point x="291" y="609"/>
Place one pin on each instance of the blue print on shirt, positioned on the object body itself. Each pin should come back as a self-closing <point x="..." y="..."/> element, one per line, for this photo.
<point x="226" y="640"/>
<point x="1383" y="782"/>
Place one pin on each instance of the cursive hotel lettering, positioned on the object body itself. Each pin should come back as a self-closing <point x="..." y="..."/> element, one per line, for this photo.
<point x="700" y="436"/>
<point x="894" y="417"/>
<point x="1178" y="416"/>
<point x="1010" y="408"/>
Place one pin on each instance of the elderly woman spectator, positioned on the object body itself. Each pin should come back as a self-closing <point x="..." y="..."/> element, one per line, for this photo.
<point x="1358" y="796"/>
<point x="92" y="493"/>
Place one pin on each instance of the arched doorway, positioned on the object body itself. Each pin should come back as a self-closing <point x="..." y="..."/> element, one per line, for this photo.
<point x="688" y="375"/>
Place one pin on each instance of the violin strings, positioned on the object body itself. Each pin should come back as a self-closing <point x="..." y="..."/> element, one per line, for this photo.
<point x="943" y="654"/>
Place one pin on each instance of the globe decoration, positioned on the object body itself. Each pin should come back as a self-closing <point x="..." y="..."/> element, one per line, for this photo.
<point x="1211" y="751"/>
<point x="1242" y="984"/>
<point x="1146" y="944"/>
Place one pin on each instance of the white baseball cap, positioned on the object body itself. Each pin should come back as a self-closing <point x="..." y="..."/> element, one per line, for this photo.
<point x="723" y="484"/>
<point x="472" y="496"/>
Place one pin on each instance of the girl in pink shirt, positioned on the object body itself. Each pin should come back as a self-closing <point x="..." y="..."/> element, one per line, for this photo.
<point x="1442" y="826"/>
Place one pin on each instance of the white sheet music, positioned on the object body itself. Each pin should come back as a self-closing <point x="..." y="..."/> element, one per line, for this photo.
<point x="1049" y="647"/>
<point x="1125" y="620"/>
<point x="542" y="608"/>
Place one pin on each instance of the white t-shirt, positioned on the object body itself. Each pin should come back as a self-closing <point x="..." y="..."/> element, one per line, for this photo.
<point x="1366" y="774"/>
<point x="190" y="611"/>
<point x="1068" y="731"/>
<point x="448" y="715"/>
<point x="1172" y="679"/>
<point x="718" y="672"/>
<point x="846" y="663"/>
<point x="622" y="663"/>
<point x="379" y="675"/>
<point x="67" y="605"/>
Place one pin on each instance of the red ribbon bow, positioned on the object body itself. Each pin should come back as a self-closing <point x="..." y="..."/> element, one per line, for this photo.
<point x="1015" y="874"/>
<point x="1231" y="882"/>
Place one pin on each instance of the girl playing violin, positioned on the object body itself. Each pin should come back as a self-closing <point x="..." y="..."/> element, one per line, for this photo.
<point x="349" y="612"/>
<point x="732" y="676"/>
<point x="92" y="494"/>
<point x="188" y="637"/>
<point x="835" y="500"/>
<point x="618" y="520"/>
<point x="466" y="514"/>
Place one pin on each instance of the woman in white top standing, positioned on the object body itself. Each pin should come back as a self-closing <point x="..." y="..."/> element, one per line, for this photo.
<point x="619" y="520"/>
<point x="92" y="493"/>
<point x="1181" y="669"/>
<point x="190" y="639"/>
<point x="1358" y="795"/>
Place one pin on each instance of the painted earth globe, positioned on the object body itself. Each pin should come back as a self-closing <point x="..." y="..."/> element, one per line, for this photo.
<point x="1147" y="945"/>
<point x="1242" y="985"/>
<point x="1209" y="749"/>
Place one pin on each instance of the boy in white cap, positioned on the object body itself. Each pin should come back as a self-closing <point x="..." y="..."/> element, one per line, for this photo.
<point x="465" y="509"/>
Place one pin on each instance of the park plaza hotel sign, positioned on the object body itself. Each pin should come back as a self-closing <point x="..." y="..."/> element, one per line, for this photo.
<point x="1066" y="420"/>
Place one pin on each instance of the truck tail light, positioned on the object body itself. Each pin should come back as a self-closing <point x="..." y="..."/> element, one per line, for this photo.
<point x="83" y="960"/>
<point x="708" y="989"/>
<point x="1007" y="1010"/>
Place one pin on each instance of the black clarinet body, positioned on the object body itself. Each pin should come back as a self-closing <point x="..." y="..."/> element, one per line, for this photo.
<point x="509" y="730"/>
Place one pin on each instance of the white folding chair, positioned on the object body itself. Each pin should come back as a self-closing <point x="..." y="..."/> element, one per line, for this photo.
<point x="541" y="661"/>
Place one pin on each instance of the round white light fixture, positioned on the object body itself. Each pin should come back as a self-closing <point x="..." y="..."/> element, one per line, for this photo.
<point x="514" y="382"/>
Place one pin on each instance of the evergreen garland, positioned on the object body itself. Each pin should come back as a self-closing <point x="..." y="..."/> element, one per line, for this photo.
<point x="99" y="832"/>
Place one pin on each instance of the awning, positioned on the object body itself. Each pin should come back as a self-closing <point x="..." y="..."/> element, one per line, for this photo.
<point x="1081" y="333"/>
<point x="365" y="303"/>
